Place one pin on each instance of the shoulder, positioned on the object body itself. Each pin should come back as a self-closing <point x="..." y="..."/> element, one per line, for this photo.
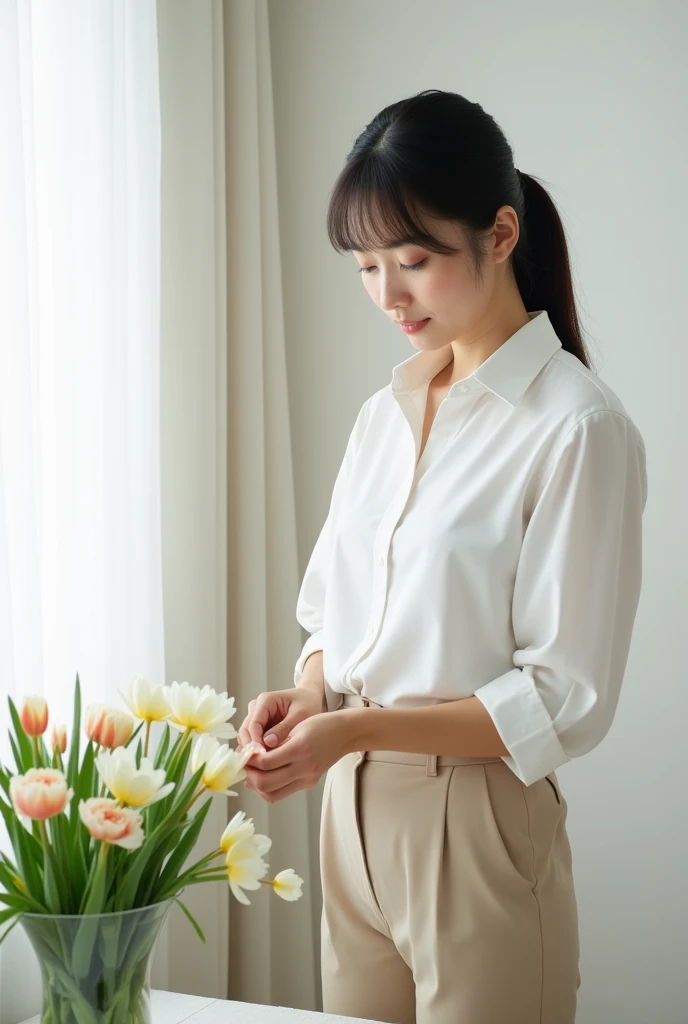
<point x="380" y="403"/>
<point x="363" y="418"/>
<point x="571" y="399"/>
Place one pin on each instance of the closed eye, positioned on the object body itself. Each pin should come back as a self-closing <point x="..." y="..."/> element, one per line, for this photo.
<point x="413" y="266"/>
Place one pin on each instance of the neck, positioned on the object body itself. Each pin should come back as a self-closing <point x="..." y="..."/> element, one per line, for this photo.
<point x="489" y="333"/>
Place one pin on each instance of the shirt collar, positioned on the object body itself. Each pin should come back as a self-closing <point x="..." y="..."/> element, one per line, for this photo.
<point x="508" y="372"/>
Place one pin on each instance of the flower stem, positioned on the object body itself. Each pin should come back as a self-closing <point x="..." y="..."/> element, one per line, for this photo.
<point x="145" y="745"/>
<point x="193" y="799"/>
<point x="187" y="733"/>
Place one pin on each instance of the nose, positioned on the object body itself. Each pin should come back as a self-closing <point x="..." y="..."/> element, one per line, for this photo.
<point x="392" y="295"/>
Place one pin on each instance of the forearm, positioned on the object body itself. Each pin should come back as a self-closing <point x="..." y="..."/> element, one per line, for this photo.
<point x="458" y="728"/>
<point x="313" y="677"/>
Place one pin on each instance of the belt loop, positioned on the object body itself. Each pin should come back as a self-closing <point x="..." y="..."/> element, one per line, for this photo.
<point x="431" y="764"/>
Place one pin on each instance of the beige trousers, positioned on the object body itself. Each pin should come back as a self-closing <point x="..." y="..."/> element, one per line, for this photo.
<point x="448" y="894"/>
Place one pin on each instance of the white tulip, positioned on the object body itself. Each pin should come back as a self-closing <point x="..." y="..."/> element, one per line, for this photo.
<point x="146" y="700"/>
<point x="200" y="710"/>
<point x="245" y="868"/>
<point x="223" y="767"/>
<point x="240" y="829"/>
<point x="137" y="787"/>
<point x="287" y="884"/>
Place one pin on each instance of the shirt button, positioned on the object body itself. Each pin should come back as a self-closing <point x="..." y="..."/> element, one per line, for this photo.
<point x="463" y="388"/>
<point x="381" y="560"/>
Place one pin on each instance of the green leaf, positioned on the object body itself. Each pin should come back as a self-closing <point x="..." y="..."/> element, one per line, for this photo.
<point x="8" y="930"/>
<point x="175" y="747"/>
<point x="163" y="746"/>
<point x="7" y="875"/>
<point x="86" y="783"/>
<point x="152" y="846"/>
<point x="191" y="918"/>
<point x="51" y="888"/>
<point x="18" y="903"/>
<point x="45" y="756"/>
<point x="135" y="733"/>
<point x="73" y="764"/>
<point x="184" y="847"/>
<point x="84" y="940"/>
<point x="28" y="852"/>
<point x="25" y="749"/>
<point x="16" y="754"/>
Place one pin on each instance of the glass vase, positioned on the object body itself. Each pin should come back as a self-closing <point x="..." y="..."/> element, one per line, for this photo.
<point x="96" y="967"/>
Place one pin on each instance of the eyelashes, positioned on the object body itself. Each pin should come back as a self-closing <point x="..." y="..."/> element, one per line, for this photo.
<point x="413" y="266"/>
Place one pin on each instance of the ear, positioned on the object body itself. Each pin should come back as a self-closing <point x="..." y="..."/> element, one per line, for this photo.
<point x="506" y="231"/>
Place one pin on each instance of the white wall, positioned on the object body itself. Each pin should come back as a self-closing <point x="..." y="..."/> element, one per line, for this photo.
<point x="592" y="98"/>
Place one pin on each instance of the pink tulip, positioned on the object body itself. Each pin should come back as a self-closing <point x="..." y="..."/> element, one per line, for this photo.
<point x="109" y="727"/>
<point x="41" y="793"/>
<point x="58" y="738"/>
<point x="110" y="823"/>
<point x="34" y="716"/>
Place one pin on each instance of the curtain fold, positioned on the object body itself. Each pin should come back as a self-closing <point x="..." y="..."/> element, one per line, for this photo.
<point x="80" y="551"/>
<point x="274" y="946"/>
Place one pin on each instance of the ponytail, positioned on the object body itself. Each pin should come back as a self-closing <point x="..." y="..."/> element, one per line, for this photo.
<point x="541" y="266"/>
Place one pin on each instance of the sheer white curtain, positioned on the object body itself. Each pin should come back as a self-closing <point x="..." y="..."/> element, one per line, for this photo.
<point x="80" y="548"/>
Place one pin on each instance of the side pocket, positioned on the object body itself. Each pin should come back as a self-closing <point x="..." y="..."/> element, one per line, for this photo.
<point x="508" y="821"/>
<point x="555" y="788"/>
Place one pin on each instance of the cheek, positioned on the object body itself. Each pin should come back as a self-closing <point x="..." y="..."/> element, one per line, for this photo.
<point x="448" y="287"/>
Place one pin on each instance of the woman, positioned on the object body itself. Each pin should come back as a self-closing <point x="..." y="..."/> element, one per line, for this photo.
<point x="471" y="595"/>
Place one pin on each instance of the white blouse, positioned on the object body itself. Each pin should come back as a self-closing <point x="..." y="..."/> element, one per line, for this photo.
<point x="505" y="564"/>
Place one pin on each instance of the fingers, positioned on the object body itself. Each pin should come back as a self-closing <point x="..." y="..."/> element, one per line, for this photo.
<point x="259" y="718"/>
<point x="244" y="734"/>
<point x="279" y="792"/>
<point x="261" y="711"/>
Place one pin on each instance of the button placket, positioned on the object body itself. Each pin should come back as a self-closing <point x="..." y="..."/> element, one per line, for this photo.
<point x="382" y="542"/>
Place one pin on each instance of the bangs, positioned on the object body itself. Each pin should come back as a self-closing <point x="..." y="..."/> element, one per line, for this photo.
<point x="369" y="212"/>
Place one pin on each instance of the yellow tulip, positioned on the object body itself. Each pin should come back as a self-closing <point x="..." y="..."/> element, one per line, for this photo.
<point x="200" y="710"/>
<point x="245" y="869"/>
<point x="223" y="767"/>
<point x="241" y="828"/>
<point x="137" y="787"/>
<point x="147" y="701"/>
<point x="287" y="884"/>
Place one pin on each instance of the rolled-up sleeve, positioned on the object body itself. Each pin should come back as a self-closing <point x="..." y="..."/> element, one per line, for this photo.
<point x="575" y="598"/>
<point x="311" y="599"/>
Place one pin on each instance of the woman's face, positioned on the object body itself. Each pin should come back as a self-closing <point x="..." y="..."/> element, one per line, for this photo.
<point x="412" y="283"/>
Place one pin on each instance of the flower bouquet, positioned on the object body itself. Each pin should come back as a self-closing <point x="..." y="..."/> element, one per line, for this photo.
<point x="101" y="837"/>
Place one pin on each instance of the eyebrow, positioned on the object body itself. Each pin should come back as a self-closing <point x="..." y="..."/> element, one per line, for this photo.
<point x="393" y="245"/>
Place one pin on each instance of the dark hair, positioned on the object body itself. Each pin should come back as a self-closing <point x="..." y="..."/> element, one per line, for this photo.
<point x="439" y="153"/>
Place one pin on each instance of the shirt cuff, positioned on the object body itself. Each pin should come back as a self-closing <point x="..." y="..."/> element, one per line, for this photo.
<point x="524" y="725"/>
<point x="313" y="644"/>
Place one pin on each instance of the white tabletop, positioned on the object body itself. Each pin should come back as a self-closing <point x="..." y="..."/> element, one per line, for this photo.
<point x="173" y="1008"/>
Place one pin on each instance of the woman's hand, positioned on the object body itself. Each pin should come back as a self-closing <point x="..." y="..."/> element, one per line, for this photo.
<point x="277" y="712"/>
<point x="312" y="747"/>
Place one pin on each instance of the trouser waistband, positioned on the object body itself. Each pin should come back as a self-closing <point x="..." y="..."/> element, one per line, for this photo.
<point x="431" y="761"/>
